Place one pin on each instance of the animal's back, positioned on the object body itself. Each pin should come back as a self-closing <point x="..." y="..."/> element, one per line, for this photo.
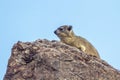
<point x="85" y="46"/>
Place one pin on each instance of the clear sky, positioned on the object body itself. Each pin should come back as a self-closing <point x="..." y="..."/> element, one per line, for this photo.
<point x="28" y="20"/>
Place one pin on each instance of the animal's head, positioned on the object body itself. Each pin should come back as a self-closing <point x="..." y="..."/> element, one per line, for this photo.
<point x="64" y="31"/>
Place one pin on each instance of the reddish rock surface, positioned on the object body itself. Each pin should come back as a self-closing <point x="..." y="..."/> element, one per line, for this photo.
<point x="53" y="60"/>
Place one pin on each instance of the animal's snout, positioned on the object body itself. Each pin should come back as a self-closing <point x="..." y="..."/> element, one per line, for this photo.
<point x="55" y="31"/>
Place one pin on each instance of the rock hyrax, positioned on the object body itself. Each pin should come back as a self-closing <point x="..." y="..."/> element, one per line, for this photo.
<point x="66" y="35"/>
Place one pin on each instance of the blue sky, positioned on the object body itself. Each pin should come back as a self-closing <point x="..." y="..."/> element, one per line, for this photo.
<point x="28" y="20"/>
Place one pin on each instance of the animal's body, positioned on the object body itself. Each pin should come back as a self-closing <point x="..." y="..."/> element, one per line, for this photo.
<point x="66" y="35"/>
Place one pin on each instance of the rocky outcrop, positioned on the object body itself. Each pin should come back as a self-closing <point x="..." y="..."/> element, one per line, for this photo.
<point x="53" y="60"/>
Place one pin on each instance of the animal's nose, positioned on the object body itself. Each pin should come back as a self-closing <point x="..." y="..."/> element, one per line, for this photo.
<point x="55" y="32"/>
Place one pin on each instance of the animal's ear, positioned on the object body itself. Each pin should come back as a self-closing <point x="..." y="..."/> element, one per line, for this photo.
<point x="70" y="28"/>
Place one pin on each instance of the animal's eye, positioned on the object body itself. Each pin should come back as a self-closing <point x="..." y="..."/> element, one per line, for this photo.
<point x="60" y="29"/>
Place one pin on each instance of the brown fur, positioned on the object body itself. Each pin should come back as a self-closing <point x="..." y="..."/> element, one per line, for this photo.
<point x="67" y="36"/>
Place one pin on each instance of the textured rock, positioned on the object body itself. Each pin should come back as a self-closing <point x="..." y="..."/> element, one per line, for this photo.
<point x="53" y="60"/>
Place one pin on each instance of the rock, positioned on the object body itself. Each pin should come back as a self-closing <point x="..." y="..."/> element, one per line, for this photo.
<point x="53" y="60"/>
